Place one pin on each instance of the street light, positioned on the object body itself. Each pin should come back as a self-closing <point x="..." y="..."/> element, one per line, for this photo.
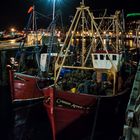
<point x="12" y="29"/>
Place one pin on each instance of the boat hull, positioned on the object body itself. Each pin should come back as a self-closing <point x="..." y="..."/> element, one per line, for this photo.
<point x="26" y="89"/>
<point x="104" y="117"/>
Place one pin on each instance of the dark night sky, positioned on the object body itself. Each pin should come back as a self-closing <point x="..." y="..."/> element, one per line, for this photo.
<point x="13" y="13"/>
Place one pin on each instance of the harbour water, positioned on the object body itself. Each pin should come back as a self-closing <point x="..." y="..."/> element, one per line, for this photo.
<point x="26" y="123"/>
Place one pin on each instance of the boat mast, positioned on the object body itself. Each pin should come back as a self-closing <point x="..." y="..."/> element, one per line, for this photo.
<point x="53" y="10"/>
<point x="51" y="39"/>
<point x="33" y="18"/>
<point x="117" y="30"/>
<point x="64" y="55"/>
<point x="83" y="28"/>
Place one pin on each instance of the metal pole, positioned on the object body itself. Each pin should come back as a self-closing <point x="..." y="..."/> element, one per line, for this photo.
<point x="53" y="9"/>
<point x="33" y="18"/>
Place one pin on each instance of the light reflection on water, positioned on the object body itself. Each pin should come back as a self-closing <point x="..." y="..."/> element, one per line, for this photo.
<point x="128" y="42"/>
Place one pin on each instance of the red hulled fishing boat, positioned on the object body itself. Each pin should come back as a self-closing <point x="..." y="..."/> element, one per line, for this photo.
<point x="30" y="71"/>
<point x="92" y="86"/>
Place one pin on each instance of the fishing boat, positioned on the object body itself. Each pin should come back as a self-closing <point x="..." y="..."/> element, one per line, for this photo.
<point x="30" y="71"/>
<point x="88" y="100"/>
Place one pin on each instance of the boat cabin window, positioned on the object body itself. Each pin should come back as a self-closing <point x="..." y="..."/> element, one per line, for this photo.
<point x="107" y="57"/>
<point x="114" y="57"/>
<point x="101" y="57"/>
<point x="95" y="57"/>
